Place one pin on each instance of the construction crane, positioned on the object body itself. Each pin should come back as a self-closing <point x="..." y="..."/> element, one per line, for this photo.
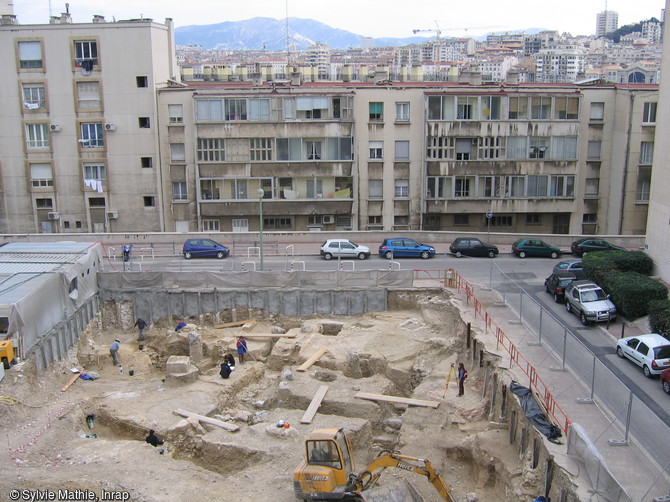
<point x="437" y="31"/>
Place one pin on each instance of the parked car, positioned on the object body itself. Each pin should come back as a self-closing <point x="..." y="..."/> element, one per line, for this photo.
<point x="589" y="301"/>
<point x="573" y="266"/>
<point x="651" y="352"/>
<point x="470" y="246"/>
<point x="534" y="247"/>
<point x="665" y="380"/>
<point x="204" y="248"/>
<point x="403" y="247"/>
<point x="343" y="248"/>
<point x="555" y="285"/>
<point x="582" y="246"/>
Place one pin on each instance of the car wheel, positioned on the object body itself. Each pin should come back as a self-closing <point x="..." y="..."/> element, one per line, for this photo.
<point x="522" y="254"/>
<point x="619" y="352"/>
<point x="362" y="256"/>
<point x="491" y="254"/>
<point x="388" y="255"/>
<point x="582" y="317"/>
<point x="546" y="288"/>
<point x="220" y="255"/>
<point x="425" y="255"/>
<point x="568" y="306"/>
<point x="666" y="386"/>
<point x="554" y="255"/>
<point x="458" y="254"/>
<point x="188" y="255"/>
<point x="327" y="256"/>
<point x="557" y="298"/>
<point x="646" y="371"/>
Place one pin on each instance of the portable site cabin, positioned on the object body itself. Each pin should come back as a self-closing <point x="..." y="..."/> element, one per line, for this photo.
<point x="48" y="294"/>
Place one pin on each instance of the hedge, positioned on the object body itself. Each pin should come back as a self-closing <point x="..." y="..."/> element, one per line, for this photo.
<point x="631" y="292"/>
<point x="598" y="265"/>
<point x="659" y="317"/>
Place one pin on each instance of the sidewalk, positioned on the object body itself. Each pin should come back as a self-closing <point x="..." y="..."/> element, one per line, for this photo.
<point x="633" y="469"/>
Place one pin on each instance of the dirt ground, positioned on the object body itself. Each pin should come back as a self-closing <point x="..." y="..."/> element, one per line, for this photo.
<point x="406" y="352"/>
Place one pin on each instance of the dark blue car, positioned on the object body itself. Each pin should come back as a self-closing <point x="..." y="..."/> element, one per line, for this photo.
<point x="206" y="248"/>
<point x="404" y="247"/>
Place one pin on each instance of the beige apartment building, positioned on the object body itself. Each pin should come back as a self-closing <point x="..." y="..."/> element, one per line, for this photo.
<point x="98" y="135"/>
<point x="79" y="132"/>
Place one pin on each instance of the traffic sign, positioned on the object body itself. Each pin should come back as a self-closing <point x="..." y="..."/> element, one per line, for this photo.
<point x="489" y="214"/>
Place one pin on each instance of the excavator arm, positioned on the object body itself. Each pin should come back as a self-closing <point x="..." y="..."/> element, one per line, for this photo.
<point x="388" y="459"/>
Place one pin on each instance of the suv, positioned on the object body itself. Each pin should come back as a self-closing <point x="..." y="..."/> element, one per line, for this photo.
<point x="343" y="248"/>
<point x="589" y="302"/>
<point x="555" y="285"/>
<point x="650" y="351"/>
<point x="402" y="246"/>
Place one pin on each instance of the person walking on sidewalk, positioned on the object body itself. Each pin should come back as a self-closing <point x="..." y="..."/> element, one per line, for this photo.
<point x="114" y="351"/>
<point x="141" y="324"/>
<point x="241" y="348"/>
<point x="462" y="375"/>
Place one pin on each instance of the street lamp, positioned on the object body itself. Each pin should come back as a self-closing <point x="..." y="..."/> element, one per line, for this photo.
<point x="261" y="193"/>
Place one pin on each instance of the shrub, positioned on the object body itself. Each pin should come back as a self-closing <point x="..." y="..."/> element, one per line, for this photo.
<point x="632" y="292"/>
<point x="623" y="261"/>
<point x="659" y="317"/>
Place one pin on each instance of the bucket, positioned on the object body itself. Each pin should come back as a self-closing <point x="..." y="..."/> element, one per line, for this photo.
<point x="131" y="372"/>
<point x="141" y="346"/>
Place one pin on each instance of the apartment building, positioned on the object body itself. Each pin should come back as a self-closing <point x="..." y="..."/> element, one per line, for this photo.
<point x="79" y="135"/>
<point x="606" y="22"/>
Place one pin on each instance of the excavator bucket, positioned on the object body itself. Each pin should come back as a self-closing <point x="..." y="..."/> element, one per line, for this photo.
<point x="399" y="491"/>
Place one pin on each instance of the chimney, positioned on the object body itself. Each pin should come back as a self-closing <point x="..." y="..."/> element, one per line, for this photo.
<point x="7" y="9"/>
<point x="97" y="18"/>
<point x="8" y="19"/>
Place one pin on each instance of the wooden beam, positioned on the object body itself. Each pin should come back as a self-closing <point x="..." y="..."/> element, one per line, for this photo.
<point x="208" y="420"/>
<point x="400" y="400"/>
<point x="304" y="366"/>
<point x="69" y="384"/>
<point x="261" y="335"/>
<point x="234" y="323"/>
<point x="314" y="405"/>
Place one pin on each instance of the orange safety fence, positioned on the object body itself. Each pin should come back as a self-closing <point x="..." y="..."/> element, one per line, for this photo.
<point x="455" y="280"/>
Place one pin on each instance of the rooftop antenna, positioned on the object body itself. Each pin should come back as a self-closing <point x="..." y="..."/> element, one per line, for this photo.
<point x="50" y="13"/>
<point x="288" y="46"/>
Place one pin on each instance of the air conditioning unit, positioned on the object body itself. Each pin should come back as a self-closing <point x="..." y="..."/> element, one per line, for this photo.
<point x="112" y="215"/>
<point x="54" y="127"/>
<point x="328" y="219"/>
<point x="53" y="216"/>
<point x="110" y="127"/>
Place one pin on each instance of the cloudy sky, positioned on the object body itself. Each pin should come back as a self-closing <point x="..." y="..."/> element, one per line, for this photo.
<point x="374" y="18"/>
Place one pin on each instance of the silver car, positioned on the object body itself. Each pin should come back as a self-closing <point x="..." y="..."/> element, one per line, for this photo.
<point x="343" y="248"/>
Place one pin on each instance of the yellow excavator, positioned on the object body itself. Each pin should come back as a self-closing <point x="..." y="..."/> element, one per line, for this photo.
<point x="328" y="470"/>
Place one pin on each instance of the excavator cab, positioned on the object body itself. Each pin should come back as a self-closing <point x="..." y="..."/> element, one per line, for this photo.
<point x="326" y="468"/>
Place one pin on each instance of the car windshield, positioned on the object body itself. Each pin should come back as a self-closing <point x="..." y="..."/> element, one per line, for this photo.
<point x="593" y="295"/>
<point x="662" y="352"/>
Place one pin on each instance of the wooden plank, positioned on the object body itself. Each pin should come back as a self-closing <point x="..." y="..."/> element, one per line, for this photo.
<point x="304" y="366"/>
<point x="248" y="326"/>
<point x="400" y="400"/>
<point x="314" y="405"/>
<point x="269" y="335"/>
<point x="234" y="323"/>
<point x="69" y="384"/>
<point x="208" y="420"/>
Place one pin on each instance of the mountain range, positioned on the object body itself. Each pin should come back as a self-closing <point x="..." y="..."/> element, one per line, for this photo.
<point x="264" y="33"/>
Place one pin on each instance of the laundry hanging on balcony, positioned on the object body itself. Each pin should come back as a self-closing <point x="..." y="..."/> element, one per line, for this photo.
<point x="94" y="184"/>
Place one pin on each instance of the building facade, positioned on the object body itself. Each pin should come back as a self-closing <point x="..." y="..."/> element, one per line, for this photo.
<point x="606" y="22"/>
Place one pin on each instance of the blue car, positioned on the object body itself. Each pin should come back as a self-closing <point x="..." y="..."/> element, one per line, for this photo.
<point x="206" y="248"/>
<point x="401" y="246"/>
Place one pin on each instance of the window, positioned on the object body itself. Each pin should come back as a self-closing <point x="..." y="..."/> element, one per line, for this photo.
<point x="590" y="218"/>
<point x="591" y="188"/>
<point x="30" y="55"/>
<point x="94" y="172"/>
<point x="643" y="186"/>
<point x="37" y="136"/>
<point x="259" y="109"/>
<point x="314" y="189"/>
<point x="517" y="147"/>
<point x="376" y="112"/>
<point x="649" y="113"/>
<point x="91" y="135"/>
<point x="339" y="148"/>
<point x="374" y="221"/>
<point x="593" y="152"/>
<point x="490" y="107"/>
<point x="564" y="147"/>
<point x="540" y="108"/>
<point x="400" y="221"/>
<point x="491" y="187"/>
<point x="309" y="107"/>
<point x="277" y="223"/>
<point x="646" y="152"/>
<point x="34" y="97"/>
<point x="142" y="81"/>
<point x="375" y="189"/>
<point x="210" y="226"/>
<point x="518" y="107"/>
<point x="147" y="162"/>
<point x="144" y="122"/>
<point x="440" y="148"/>
<point x="149" y="201"/>
<point x="176" y="114"/>
<point x="211" y="150"/>
<point x="491" y="148"/>
<point x="289" y="148"/>
<point x="402" y="112"/>
<point x="376" y="149"/>
<point x="209" y="110"/>
<point x="95" y="202"/>
<point x="464" y="148"/>
<point x="88" y="95"/>
<point x="177" y="152"/>
<point x="501" y="221"/>
<point x="566" y="108"/>
<point x="562" y="186"/>
<point x="260" y="149"/>
<point x="401" y="189"/>
<point x="44" y="203"/>
<point x="533" y="219"/>
<point x="462" y="186"/>
<point x="85" y="50"/>
<point x="538" y="185"/>
<point x="467" y="108"/>
<point x="402" y="150"/>
<point x="313" y="150"/>
<point x="597" y="112"/>
<point x="437" y="186"/>
<point x="41" y="175"/>
<point x="539" y="148"/>
<point x="461" y="220"/>
<point x="179" y="190"/>
<point x="235" y="109"/>
<point x="515" y="186"/>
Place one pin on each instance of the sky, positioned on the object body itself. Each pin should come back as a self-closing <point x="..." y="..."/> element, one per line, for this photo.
<point x="373" y="18"/>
